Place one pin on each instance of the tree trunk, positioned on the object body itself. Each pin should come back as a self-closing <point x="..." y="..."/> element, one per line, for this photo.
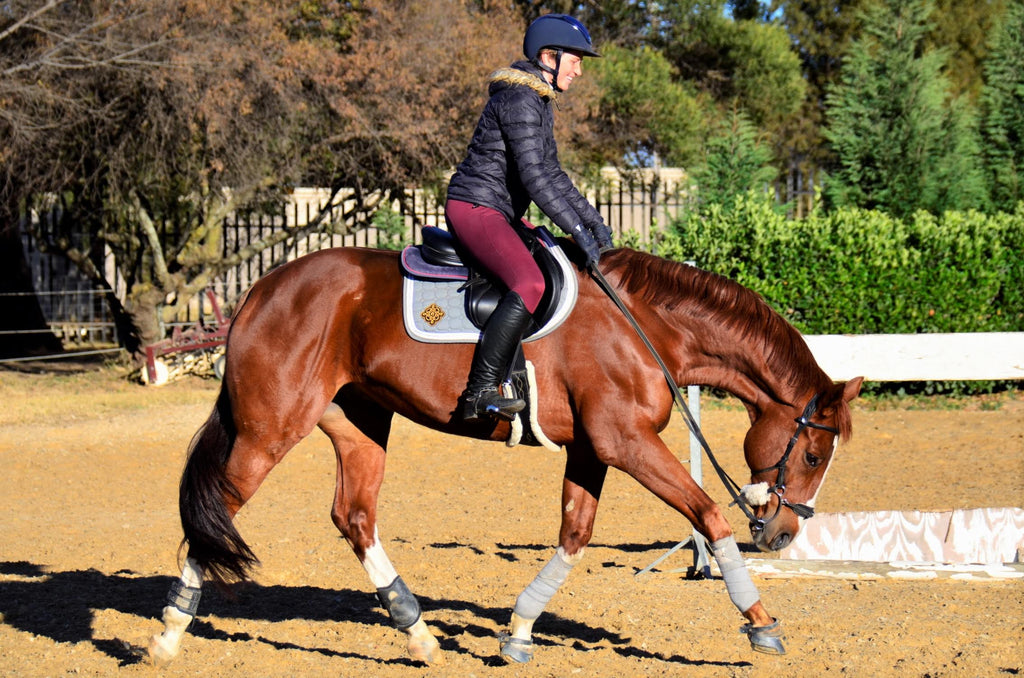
<point x="143" y="311"/>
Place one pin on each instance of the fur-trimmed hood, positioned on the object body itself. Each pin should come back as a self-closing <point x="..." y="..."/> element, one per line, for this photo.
<point x="521" y="74"/>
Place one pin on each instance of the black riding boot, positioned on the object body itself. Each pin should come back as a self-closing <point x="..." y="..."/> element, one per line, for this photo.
<point x="497" y="346"/>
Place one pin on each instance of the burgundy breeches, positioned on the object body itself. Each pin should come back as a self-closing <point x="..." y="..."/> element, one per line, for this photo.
<point x="488" y="236"/>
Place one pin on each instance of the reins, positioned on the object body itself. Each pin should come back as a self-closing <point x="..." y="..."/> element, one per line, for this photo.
<point x="731" y="485"/>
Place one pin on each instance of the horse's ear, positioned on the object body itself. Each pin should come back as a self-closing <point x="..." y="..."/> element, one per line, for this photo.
<point x="852" y="388"/>
<point x="840" y="395"/>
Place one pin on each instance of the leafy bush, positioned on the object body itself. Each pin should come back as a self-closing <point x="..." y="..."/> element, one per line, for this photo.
<point x="855" y="271"/>
<point x="390" y="225"/>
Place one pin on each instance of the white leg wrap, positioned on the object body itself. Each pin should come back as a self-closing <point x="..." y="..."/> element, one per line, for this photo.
<point x="534" y="599"/>
<point x="377" y="564"/>
<point x="734" y="571"/>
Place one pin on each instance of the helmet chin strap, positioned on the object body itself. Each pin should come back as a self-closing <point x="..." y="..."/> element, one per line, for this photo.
<point x="553" y="71"/>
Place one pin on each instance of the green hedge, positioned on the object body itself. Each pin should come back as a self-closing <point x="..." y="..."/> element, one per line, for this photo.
<point x="855" y="271"/>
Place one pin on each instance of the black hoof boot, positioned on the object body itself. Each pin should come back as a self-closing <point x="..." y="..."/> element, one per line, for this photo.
<point x="490" y="403"/>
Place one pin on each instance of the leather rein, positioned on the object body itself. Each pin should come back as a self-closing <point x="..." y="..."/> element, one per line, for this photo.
<point x="734" y="489"/>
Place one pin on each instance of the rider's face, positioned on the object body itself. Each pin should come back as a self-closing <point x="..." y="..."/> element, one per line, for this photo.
<point x="571" y="68"/>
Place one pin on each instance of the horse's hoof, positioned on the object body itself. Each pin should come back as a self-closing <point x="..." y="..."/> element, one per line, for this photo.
<point x="515" y="650"/>
<point x="159" y="653"/>
<point x="767" y="639"/>
<point x="428" y="652"/>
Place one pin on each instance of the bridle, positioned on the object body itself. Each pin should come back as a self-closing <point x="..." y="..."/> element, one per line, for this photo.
<point x="737" y="493"/>
<point x="779" y="488"/>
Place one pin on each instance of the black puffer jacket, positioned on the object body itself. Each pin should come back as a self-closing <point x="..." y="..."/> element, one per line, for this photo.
<point x="512" y="158"/>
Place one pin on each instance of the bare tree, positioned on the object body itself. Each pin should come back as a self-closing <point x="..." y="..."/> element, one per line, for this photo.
<point x="148" y="121"/>
<point x="41" y="46"/>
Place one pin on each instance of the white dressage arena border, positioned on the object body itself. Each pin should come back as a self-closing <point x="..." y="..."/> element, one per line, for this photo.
<point x="858" y="570"/>
<point x="984" y="536"/>
<point x="963" y="544"/>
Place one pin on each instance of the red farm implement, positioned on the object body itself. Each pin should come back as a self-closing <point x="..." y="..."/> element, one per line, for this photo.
<point x="195" y="349"/>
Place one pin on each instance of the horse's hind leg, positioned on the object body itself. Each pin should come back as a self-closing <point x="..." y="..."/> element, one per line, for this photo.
<point x="223" y="471"/>
<point x="182" y="605"/>
<point x="359" y="431"/>
<point x="581" y="491"/>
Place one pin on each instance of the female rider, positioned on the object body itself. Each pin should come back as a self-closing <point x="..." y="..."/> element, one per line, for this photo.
<point x="512" y="161"/>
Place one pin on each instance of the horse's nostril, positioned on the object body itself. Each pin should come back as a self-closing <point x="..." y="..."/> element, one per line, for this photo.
<point x="781" y="541"/>
<point x="756" y="532"/>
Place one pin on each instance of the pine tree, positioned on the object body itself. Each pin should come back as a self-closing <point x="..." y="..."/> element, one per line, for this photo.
<point x="901" y="143"/>
<point x="960" y="176"/>
<point x="734" y="162"/>
<point x="1003" y="110"/>
<point x="821" y="31"/>
<point x="964" y="28"/>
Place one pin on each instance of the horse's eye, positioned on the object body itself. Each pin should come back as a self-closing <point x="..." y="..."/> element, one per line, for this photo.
<point x="812" y="460"/>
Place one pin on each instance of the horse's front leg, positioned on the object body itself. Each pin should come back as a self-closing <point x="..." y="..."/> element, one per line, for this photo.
<point x="359" y="434"/>
<point x="400" y="604"/>
<point x="581" y="490"/>
<point x="650" y="462"/>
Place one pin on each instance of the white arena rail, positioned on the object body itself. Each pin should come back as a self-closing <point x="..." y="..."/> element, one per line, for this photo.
<point x="920" y="357"/>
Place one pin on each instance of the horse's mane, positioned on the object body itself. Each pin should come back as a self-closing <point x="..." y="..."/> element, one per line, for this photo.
<point x="672" y="286"/>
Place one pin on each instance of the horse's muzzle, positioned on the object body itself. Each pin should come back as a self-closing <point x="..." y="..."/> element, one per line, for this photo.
<point x="767" y="539"/>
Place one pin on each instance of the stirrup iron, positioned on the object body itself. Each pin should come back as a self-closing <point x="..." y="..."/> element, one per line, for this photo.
<point x="490" y="402"/>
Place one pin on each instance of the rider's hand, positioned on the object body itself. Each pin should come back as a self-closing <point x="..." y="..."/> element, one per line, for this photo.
<point x="603" y="235"/>
<point x="587" y="243"/>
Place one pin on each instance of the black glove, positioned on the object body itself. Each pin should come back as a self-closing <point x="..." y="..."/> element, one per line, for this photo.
<point x="586" y="242"/>
<point x="603" y="235"/>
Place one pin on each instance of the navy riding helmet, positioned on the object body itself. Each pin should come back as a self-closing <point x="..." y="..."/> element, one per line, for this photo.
<point x="561" y="33"/>
<point x="558" y="32"/>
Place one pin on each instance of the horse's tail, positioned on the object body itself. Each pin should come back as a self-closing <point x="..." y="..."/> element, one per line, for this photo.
<point x="213" y="542"/>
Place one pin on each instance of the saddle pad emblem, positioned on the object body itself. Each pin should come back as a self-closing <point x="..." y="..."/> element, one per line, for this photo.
<point x="432" y="314"/>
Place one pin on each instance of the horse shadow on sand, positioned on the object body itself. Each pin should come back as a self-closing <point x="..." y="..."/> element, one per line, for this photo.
<point x="61" y="605"/>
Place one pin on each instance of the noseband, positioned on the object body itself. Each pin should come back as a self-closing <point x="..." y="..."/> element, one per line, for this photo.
<point x="779" y="489"/>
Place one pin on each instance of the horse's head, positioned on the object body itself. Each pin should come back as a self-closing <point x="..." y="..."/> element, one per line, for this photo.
<point x="789" y="449"/>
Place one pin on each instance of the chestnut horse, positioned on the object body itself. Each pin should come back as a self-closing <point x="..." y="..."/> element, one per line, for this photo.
<point x="320" y="341"/>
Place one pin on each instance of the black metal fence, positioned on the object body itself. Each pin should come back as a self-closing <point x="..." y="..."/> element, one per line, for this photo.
<point x="77" y="312"/>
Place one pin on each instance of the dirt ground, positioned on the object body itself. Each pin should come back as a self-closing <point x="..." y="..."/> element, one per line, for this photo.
<point x="88" y="518"/>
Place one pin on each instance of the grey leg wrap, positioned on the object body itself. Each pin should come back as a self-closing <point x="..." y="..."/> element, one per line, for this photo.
<point x="734" y="571"/>
<point x="185" y="598"/>
<point x="534" y="599"/>
<point x="400" y="603"/>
